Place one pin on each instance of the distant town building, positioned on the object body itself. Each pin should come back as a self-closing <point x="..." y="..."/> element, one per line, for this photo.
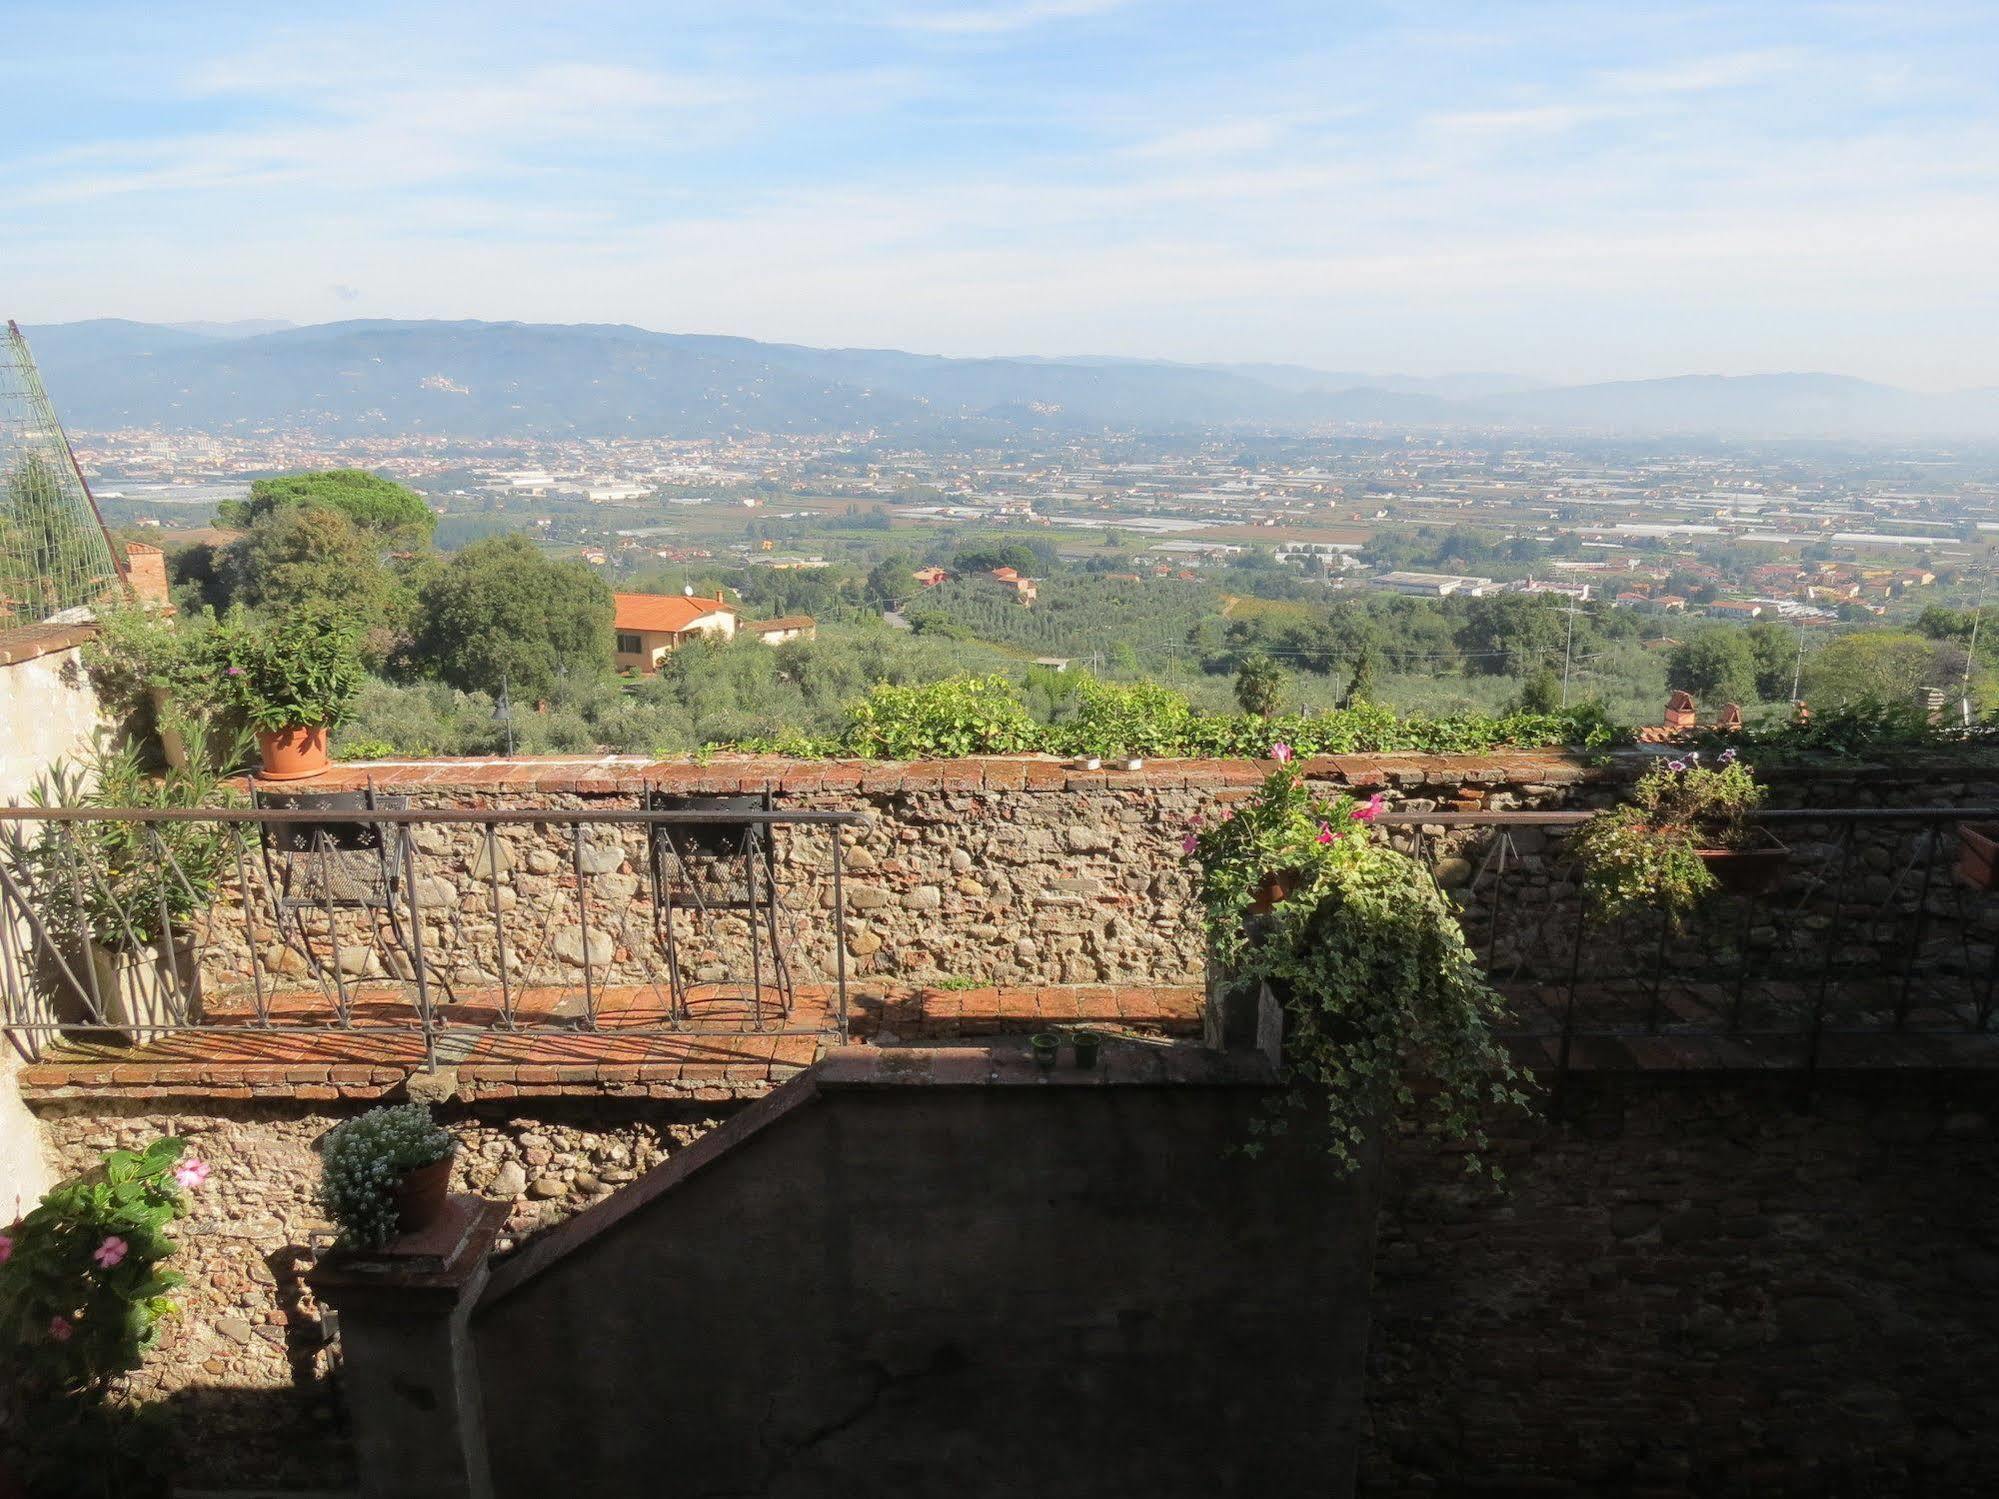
<point x="1430" y="585"/>
<point x="784" y="628"/>
<point x="930" y="577"/>
<point x="649" y="625"/>
<point x="1021" y="588"/>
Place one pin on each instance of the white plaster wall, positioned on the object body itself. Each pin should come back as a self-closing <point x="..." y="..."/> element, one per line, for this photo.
<point x="48" y="711"/>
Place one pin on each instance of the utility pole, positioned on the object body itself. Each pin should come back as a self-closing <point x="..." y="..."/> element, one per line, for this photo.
<point x="1970" y="655"/>
<point x="1798" y="671"/>
<point x="1568" y="652"/>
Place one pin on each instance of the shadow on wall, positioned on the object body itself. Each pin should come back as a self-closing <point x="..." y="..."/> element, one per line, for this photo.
<point x="973" y="1290"/>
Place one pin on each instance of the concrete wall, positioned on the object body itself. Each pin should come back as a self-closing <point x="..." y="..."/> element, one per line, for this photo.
<point x="48" y="712"/>
<point x="971" y="1290"/>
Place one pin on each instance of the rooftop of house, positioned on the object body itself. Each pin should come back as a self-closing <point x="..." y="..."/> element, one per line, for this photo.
<point x="782" y="622"/>
<point x="664" y="612"/>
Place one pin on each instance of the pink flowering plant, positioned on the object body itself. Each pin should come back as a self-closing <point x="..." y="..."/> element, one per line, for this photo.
<point x="83" y="1283"/>
<point x="1306" y="893"/>
<point x="1646" y="854"/>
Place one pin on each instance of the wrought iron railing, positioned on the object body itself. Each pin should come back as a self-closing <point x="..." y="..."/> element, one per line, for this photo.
<point x="125" y="925"/>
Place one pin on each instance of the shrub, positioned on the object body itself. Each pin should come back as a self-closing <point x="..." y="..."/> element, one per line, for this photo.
<point x="957" y="716"/>
<point x="363" y="1160"/>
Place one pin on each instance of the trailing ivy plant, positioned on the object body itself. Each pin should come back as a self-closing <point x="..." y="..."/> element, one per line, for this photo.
<point x="84" y="1289"/>
<point x="1366" y="954"/>
<point x="1646" y="853"/>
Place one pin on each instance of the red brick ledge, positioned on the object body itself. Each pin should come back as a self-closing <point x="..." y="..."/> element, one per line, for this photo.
<point x="616" y="775"/>
<point x="30" y="641"/>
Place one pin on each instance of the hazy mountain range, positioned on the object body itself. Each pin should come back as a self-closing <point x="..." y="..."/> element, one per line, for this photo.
<point x="477" y="379"/>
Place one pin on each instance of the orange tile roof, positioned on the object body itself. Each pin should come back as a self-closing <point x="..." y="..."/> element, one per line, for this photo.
<point x="663" y="612"/>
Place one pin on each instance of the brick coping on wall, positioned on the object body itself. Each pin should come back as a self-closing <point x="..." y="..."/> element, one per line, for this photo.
<point x="630" y="775"/>
<point x="583" y="775"/>
<point x="27" y="642"/>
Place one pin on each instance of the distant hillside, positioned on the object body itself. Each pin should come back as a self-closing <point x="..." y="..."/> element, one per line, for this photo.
<point x="475" y="379"/>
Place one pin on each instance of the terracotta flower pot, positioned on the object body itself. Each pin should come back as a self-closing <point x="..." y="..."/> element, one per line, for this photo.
<point x="1747" y="871"/>
<point x="292" y="754"/>
<point x="1978" y="854"/>
<point x="420" y="1196"/>
<point x="1275" y="886"/>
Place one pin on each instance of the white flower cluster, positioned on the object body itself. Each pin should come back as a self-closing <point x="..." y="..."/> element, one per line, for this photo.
<point x="363" y="1160"/>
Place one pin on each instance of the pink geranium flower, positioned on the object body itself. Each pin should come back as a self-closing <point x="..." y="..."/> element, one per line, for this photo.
<point x="191" y="1173"/>
<point x="1326" y="834"/>
<point x="1368" y="810"/>
<point x="60" y="1329"/>
<point x="1281" y="752"/>
<point x="1189" y="844"/>
<point x="111" y="1251"/>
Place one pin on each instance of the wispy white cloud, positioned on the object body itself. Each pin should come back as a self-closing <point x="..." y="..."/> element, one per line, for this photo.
<point x="997" y="19"/>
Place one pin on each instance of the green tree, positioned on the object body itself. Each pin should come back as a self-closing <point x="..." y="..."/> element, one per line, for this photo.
<point x="1773" y="651"/>
<point x="370" y="501"/>
<point x="53" y="554"/>
<point x="1540" y="693"/>
<point x="1716" y="666"/>
<point x="500" y="611"/>
<point x="1881" y="666"/>
<point x="1360" y="687"/>
<point x="295" y="556"/>
<point x="1259" y="685"/>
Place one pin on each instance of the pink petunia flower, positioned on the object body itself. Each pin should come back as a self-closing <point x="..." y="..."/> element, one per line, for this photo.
<point x="1676" y="766"/>
<point x="111" y="1251"/>
<point x="1326" y="834"/>
<point x="1368" y="810"/>
<point x="60" y="1329"/>
<point x="234" y="671"/>
<point x="191" y="1173"/>
<point x="1189" y="844"/>
<point x="1281" y="752"/>
<point x="6" y="1248"/>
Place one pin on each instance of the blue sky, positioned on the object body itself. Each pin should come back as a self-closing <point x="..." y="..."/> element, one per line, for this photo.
<point x="1602" y="190"/>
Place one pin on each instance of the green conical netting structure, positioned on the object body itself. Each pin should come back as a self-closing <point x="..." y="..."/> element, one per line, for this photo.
<point x="54" y="553"/>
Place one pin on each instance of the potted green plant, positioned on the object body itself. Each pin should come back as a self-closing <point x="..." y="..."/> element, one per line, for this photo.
<point x="84" y="1288"/>
<point x="1684" y="834"/>
<point x="122" y="896"/>
<point x="1365" y="954"/>
<point x="292" y="680"/>
<point x="385" y="1172"/>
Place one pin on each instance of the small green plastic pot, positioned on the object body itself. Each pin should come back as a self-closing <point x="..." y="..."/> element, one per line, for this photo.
<point x="1087" y="1044"/>
<point x="1046" y="1044"/>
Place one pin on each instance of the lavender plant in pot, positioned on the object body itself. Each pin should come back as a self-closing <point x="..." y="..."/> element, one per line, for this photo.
<point x="292" y="680"/>
<point x="1685" y="833"/>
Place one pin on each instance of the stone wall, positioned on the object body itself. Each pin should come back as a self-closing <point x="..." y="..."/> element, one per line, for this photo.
<point x="1698" y="1287"/>
<point x="248" y="1362"/>
<point x="1696" y="1283"/>
<point x="1022" y="871"/>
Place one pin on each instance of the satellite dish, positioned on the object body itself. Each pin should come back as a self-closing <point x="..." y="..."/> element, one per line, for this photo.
<point x="688" y="589"/>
